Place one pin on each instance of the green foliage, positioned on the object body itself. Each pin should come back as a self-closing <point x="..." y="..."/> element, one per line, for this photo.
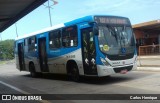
<point x="7" y="49"/>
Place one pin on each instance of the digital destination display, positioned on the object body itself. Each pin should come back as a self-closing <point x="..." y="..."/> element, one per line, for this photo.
<point x="111" y="20"/>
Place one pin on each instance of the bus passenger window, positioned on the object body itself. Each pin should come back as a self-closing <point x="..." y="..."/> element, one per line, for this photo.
<point x="69" y="36"/>
<point x="25" y="42"/>
<point x="55" y="39"/>
<point x="31" y="43"/>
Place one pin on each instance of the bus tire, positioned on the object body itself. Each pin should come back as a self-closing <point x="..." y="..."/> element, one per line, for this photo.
<point x="32" y="70"/>
<point x="74" y="73"/>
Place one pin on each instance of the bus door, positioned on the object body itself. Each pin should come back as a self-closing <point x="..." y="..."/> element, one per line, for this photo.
<point x="88" y="52"/>
<point x="21" y="56"/>
<point x="42" y="54"/>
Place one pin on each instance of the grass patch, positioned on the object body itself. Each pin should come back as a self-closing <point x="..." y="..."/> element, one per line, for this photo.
<point x="3" y="62"/>
<point x="6" y="61"/>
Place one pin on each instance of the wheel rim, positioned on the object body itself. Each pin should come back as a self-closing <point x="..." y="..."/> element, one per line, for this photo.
<point x="75" y="74"/>
<point x="32" y="70"/>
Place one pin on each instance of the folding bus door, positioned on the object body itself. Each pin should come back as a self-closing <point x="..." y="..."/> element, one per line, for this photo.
<point x="88" y="52"/>
<point x="21" y="56"/>
<point x="43" y="54"/>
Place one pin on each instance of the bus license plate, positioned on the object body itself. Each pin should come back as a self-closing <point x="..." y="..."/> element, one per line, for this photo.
<point x="124" y="71"/>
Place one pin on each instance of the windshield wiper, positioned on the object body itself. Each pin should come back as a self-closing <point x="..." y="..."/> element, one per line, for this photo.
<point x="122" y="35"/>
<point x="112" y="32"/>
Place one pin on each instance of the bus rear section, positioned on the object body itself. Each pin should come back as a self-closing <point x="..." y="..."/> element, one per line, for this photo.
<point x="19" y="55"/>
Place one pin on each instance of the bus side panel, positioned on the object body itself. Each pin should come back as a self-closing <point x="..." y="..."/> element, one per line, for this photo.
<point x="58" y="64"/>
<point x="31" y="56"/>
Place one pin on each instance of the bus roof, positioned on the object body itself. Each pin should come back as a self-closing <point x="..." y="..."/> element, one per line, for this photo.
<point x="41" y="31"/>
<point x="89" y="18"/>
<point x="76" y="21"/>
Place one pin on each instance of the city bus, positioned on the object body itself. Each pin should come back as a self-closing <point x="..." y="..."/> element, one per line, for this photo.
<point x="96" y="45"/>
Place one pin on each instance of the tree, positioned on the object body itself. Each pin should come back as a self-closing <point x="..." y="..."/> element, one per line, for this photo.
<point x="7" y="49"/>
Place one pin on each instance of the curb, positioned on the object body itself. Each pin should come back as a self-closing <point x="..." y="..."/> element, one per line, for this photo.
<point x="155" y="69"/>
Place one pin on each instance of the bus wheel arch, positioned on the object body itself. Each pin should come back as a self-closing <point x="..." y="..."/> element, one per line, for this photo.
<point x="72" y="70"/>
<point x="32" y="69"/>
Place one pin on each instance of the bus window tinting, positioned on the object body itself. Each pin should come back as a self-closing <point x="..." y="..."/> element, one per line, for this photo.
<point x="55" y="39"/>
<point x="25" y="42"/>
<point x="69" y="36"/>
<point x="31" y="43"/>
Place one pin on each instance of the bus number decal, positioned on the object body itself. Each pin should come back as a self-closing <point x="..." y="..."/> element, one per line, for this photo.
<point x="70" y="56"/>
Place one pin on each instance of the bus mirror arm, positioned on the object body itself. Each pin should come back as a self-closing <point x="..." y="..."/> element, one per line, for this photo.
<point x="95" y="27"/>
<point x="95" y="30"/>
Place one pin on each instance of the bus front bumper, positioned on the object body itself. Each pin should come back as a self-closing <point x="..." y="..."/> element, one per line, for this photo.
<point x="109" y="70"/>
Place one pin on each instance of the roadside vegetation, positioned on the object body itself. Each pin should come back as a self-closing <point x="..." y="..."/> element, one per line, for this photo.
<point x="7" y="61"/>
<point x="6" y="51"/>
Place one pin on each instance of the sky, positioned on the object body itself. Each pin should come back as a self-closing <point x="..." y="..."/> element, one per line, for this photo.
<point x="137" y="11"/>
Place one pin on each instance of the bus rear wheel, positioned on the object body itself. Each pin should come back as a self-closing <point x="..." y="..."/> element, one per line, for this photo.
<point x="32" y="70"/>
<point x="75" y="73"/>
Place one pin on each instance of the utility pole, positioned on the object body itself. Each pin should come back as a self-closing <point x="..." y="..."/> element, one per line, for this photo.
<point x="49" y="9"/>
<point x="16" y="30"/>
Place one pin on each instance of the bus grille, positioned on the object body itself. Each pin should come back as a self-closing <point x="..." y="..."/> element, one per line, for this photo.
<point x="118" y="70"/>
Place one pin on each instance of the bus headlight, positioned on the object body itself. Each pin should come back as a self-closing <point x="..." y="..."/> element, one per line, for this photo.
<point x="105" y="62"/>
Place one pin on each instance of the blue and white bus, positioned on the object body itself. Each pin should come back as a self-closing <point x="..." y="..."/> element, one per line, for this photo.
<point x="89" y="46"/>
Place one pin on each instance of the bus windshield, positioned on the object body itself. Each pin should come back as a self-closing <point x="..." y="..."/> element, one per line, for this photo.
<point x="113" y="38"/>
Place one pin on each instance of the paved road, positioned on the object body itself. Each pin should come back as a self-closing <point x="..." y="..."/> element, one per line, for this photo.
<point x="135" y="82"/>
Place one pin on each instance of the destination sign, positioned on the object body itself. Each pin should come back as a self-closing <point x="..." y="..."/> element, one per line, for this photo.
<point x="111" y="20"/>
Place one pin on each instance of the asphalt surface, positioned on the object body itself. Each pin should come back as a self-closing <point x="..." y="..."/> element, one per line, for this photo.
<point x="135" y="82"/>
